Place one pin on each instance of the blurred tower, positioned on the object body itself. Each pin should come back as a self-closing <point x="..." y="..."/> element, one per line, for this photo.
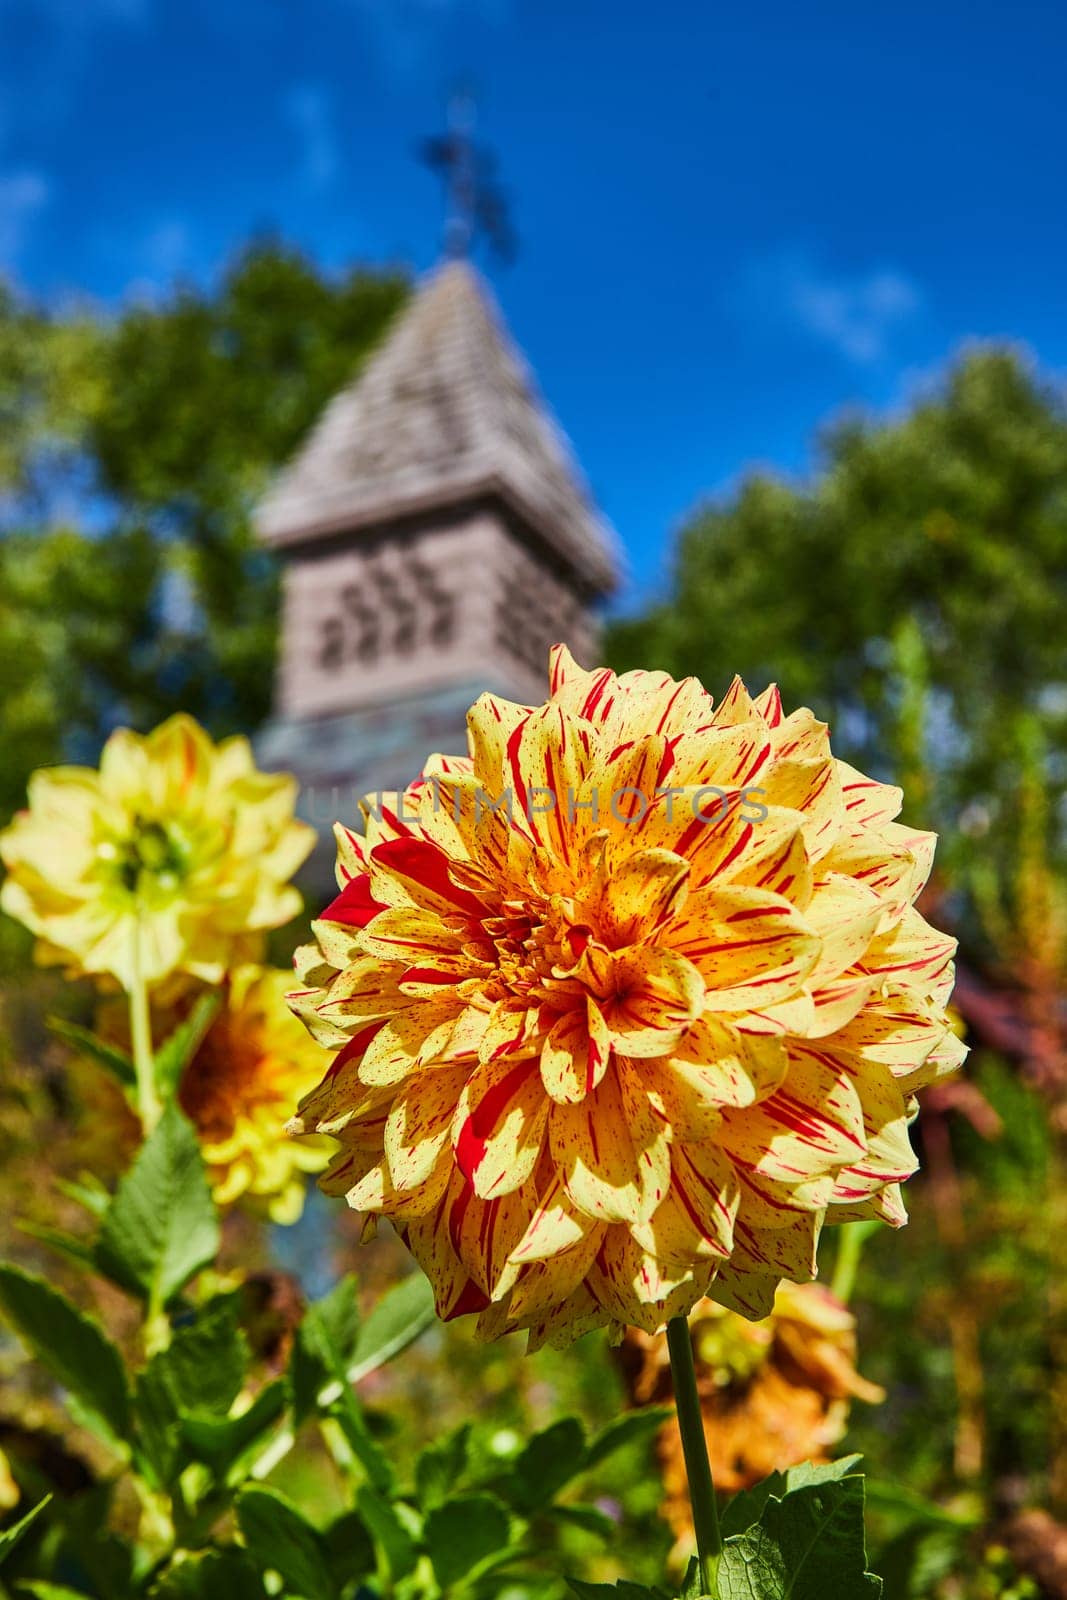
<point x="436" y="538"/>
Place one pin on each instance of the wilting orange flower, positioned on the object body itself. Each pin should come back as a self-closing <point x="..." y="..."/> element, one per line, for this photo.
<point x="174" y="857"/>
<point x="626" y="1004"/>
<point x="772" y="1393"/>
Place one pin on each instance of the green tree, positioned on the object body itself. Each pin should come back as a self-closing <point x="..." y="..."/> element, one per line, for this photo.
<point x="913" y="593"/>
<point x="131" y="454"/>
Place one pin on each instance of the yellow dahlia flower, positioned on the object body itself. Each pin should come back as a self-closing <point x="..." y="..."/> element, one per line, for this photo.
<point x="626" y="1004"/>
<point x="239" y="1091"/>
<point x="173" y="857"/>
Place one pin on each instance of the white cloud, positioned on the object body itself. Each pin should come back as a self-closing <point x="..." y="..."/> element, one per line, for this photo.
<point x="22" y="196"/>
<point x="309" y="108"/>
<point x="857" y="315"/>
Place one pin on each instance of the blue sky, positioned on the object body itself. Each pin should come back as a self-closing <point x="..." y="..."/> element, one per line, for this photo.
<point x="735" y="219"/>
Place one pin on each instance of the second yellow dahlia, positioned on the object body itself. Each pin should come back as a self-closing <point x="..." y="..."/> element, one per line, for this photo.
<point x="174" y="857"/>
<point x="239" y="1090"/>
<point x="625" y="1005"/>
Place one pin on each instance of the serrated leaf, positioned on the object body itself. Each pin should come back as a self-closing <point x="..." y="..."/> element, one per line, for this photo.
<point x="206" y="1359"/>
<point x="395" y="1322"/>
<point x="440" y="1467"/>
<point x="118" y="1063"/>
<point x="228" y="1574"/>
<point x="550" y="1459"/>
<point x="462" y="1533"/>
<point x="625" y="1430"/>
<point x="280" y="1539"/>
<point x="804" y="1547"/>
<point x="161" y="1227"/>
<point x="72" y="1347"/>
<point x="14" y="1536"/>
<point x="388" y="1530"/>
<point x="745" y="1508"/>
<point x="179" y="1047"/>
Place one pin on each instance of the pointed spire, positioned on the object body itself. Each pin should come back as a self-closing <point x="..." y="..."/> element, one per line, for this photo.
<point x="445" y="414"/>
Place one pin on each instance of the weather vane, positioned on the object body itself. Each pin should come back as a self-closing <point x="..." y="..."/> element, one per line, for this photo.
<point x="477" y="207"/>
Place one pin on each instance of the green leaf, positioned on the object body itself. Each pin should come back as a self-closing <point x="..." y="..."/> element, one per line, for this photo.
<point x="50" y="1591"/>
<point x="804" y="1547"/>
<point x="551" y="1459"/>
<point x="13" y="1536"/>
<point x="113" y="1060"/>
<point x="589" y="1518"/>
<point x="388" y="1530"/>
<point x="693" y="1583"/>
<point x="440" y="1467"/>
<point x="396" y="1322"/>
<point x="348" y="1412"/>
<point x="90" y="1194"/>
<point x="632" y="1427"/>
<point x="280" y="1539"/>
<point x="746" y="1507"/>
<point x="200" y="1372"/>
<point x="222" y="1441"/>
<point x="625" y="1591"/>
<point x="463" y="1532"/>
<point x="161" y="1227"/>
<point x="77" y="1251"/>
<point x="228" y="1574"/>
<point x="206" y="1360"/>
<point x="323" y="1346"/>
<point x="179" y="1048"/>
<point x="72" y="1347"/>
<point x="349" y="1548"/>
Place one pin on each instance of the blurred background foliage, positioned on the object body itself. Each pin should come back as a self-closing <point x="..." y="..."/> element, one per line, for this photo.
<point x="913" y="591"/>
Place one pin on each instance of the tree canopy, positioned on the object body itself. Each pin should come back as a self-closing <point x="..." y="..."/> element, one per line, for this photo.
<point x="132" y="452"/>
<point x="913" y="592"/>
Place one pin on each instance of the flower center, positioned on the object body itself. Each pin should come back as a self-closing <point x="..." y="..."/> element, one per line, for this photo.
<point x="151" y="852"/>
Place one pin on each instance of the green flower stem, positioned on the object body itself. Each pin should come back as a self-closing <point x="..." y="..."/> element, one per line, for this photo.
<point x="141" y="1038"/>
<point x="695" y="1450"/>
<point x="851" y="1237"/>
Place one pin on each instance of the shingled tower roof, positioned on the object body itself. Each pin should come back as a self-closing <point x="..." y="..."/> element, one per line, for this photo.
<point x="446" y="412"/>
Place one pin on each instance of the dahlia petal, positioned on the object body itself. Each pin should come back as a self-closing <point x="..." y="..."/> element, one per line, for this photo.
<point x="867" y="804"/>
<point x="695" y="1220"/>
<point x="638" y="897"/>
<point x="635" y="1289"/>
<point x="498" y="1126"/>
<point x="845" y="914"/>
<point x="789" y="1252"/>
<point x="911" y="952"/>
<point x="812" y="787"/>
<point x="573" y="1058"/>
<point x="657" y="994"/>
<point x="750" y="947"/>
<point x="491" y="723"/>
<point x="419" y="1124"/>
<point x="750" y="1294"/>
<point x="730" y="1067"/>
<point x="611" y="1171"/>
